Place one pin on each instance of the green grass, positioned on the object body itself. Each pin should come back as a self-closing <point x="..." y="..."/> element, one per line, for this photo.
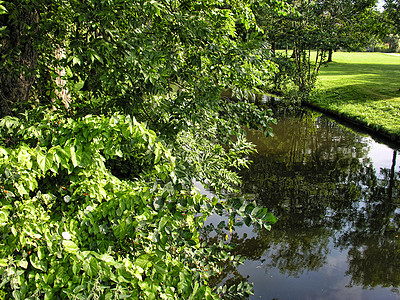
<point x="362" y="86"/>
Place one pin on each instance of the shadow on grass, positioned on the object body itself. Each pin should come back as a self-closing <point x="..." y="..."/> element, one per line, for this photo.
<point x="360" y="83"/>
<point x="362" y="93"/>
<point x="337" y="69"/>
<point x="366" y="92"/>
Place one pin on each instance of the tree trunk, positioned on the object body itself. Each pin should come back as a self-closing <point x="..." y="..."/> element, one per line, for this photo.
<point x="273" y="49"/>
<point x="19" y="59"/>
<point x="391" y="176"/>
<point x="330" y="53"/>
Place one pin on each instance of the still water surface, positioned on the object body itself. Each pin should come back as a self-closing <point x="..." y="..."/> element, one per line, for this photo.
<point x="335" y="193"/>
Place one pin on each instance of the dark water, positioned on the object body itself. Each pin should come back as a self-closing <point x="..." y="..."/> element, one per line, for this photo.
<point x="335" y="193"/>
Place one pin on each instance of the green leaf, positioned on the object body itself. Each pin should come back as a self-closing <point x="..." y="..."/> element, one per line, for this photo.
<point x="45" y="161"/>
<point x="184" y="285"/>
<point x="169" y="187"/>
<point x="161" y="267"/>
<point x="7" y="173"/>
<point x="41" y="160"/>
<point x="76" y="267"/>
<point x="255" y="211"/>
<point x="158" y="151"/>
<point x="120" y="229"/>
<point x="3" y="10"/>
<point x="23" y="263"/>
<point x="198" y="292"/>
<point x="158" y="203"/>
<point x="94" y="266"/>
<point x="143" y="261"/>
<point x="108" y="259"/>
<point x="16" y="294"/>
<point x="70" y="246"/>
<point x="37" y="263"/>
<point x="73" y="156"/>
<point x="270" y="218"/>
<point x="3" y="262"/>
<point x="76" y="60"/>
<point x="78" y="288"/>
<point x="3" y="152"/>
<point x="21" y="190"/>
<point x="3" y="217"/>
<point x="41" y="253"/>
<point x="162" y="223"/>
<point x="24" y="158"/>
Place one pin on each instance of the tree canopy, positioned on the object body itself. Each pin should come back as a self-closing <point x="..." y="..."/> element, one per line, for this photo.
<point x="301" y="27"/>
<point x="392" y="10"/>
<point x="111" y="110"/>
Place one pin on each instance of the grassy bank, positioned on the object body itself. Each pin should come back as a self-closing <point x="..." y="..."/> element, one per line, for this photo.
<point x="363" y="87"/>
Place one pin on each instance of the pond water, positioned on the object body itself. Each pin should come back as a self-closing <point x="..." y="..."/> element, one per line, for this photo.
<point x="335" y="193"/>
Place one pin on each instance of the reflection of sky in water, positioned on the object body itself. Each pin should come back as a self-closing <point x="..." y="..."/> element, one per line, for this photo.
<point x="203" y="190"/>
<point x="330" y="281"/>
<point x="216" y="219"/>
<point x="382" y="156"/>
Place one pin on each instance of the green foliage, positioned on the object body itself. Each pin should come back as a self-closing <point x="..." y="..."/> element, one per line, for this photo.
<point x="97" y="197"/>
<point x="392" y="14"/>
<point x="321" y="26"/>
<point x="72" y="229"/>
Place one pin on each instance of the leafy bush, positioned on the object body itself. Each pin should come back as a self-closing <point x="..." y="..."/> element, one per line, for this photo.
<point x="97" y="203"/>
<point x="72" y="229"/>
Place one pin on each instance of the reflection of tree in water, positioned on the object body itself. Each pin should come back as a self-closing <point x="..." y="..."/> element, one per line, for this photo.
<point x="212" y="235"/>
<point x="295" y="251"/>
<point x="373" y="239"/>
<point x="321" y="186"/>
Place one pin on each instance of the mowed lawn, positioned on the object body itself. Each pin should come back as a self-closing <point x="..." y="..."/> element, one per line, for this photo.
<point x="363" y="86"/>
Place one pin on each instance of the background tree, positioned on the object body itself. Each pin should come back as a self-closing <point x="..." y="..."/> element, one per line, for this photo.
<point x="105" y="182"/>
<point x="306" y="27"/>
<point x="347" y="24"/>
<point x="19" y="58"/>
<point x="392" y="11"/>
